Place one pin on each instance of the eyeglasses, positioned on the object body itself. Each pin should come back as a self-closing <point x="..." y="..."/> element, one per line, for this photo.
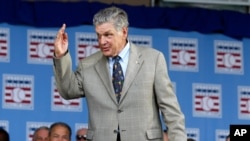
<point x="79" y="137"/>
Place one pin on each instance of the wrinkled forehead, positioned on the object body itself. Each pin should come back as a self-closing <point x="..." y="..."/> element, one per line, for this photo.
<point x="42" y="132"/>
<point x="105" y="27"/>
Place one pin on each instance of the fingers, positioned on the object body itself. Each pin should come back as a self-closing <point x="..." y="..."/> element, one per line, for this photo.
<point x="65" y="36"/>
<point x="61" y="42"/>
<point x="62" y="29"/>
<point x="61" y="32"/>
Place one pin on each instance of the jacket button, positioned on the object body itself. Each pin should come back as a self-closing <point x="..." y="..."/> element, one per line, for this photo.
<point x="116" y="131"/>
<point x="119" y="111"/>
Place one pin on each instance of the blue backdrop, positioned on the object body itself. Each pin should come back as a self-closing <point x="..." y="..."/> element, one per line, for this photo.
<point x="206" y="53"/>
<point x="209" y="73"/>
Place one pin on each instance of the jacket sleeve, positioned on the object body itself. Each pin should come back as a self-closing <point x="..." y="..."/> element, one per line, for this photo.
<point x="168" y="103"/>
<point x="69" y="83"/>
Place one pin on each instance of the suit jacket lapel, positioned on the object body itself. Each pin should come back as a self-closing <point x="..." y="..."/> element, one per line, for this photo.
<point x="134" y="65"/>
<point x="103" y="72"/>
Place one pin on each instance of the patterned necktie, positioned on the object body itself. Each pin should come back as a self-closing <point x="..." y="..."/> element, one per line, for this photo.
<point x="117" y="77"/>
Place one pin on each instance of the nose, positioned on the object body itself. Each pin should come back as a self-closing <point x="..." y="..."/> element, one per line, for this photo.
<point x="44" y="139"/>
<point x="102" y="40"/>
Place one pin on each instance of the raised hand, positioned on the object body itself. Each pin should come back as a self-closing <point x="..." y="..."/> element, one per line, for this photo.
<point x="61" y="42"/>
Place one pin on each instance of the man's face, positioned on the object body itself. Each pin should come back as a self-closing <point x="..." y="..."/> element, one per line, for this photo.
<point x="59" y="133"/>
<point x="42" y="135"/>
<point x="111" y="41"/>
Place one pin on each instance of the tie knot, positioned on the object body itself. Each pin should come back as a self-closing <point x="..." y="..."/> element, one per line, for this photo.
<point x="116" y="58"/>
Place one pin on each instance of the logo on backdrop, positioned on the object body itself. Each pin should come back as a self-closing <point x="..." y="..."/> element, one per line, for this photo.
<point x="4" y="124"/>
<point x="86" y="44"/>
<point x="228" y="57"/>
<point x="40" y="46"/>
<point x="207" y="100"/>
<point x="4" y="45"/>
<point x="193" y="133"/>
<point x="183" y="54"/>
<point x="31" y="128"/>
<point x="18" y="91"/>
<point x="244" y="102"/>
<point x="80" y="125"/>
<point x="144" y="41"/>
<point x="221" y="135"/>
<point x="60" y="104"/>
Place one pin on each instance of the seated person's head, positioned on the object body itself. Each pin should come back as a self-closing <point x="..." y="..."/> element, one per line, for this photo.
<point x="60" y="131"/>
<point x="4" y="135"/>
<point x="41" y="134"/>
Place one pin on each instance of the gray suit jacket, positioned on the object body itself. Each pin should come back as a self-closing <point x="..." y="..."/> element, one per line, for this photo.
<point x="146" y="90"/>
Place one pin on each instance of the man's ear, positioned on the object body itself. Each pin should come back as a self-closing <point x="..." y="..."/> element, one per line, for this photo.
<point x="125" y="32"/>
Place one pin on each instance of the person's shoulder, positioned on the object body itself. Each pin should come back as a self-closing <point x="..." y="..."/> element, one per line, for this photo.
<point x="145" y="49"/>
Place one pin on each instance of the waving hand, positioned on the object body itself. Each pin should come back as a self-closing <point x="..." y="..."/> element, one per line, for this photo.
<point x="61" y="42"/>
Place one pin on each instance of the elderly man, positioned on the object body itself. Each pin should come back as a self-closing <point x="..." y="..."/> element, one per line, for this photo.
<point x="41" y="134"/>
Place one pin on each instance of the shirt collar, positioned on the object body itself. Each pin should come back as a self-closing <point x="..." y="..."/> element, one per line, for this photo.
<point x="124" y="52"/>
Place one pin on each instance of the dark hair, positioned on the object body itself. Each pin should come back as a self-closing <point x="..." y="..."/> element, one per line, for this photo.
<point x="4" y="134"/>
<point x="63" y="124"/>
